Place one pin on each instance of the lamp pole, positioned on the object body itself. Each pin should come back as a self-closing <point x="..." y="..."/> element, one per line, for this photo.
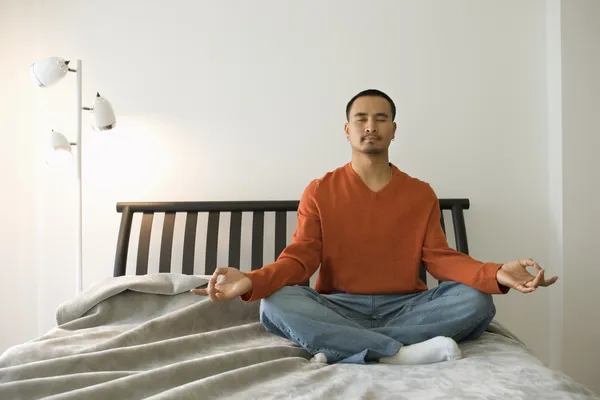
<point x="79" y="272"/>
<point x="79" y="143"/>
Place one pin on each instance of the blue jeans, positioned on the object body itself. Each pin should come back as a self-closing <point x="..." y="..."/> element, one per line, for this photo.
<point x="352" y="328"/>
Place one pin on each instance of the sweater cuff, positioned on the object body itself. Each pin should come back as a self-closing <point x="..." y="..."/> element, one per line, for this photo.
<point x="259" y="290"/>
<point x="491" y="284"/>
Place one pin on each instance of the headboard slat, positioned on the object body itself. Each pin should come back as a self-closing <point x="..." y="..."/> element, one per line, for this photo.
<point x="123" y="242"/>
<point x="442" y="221"/>
<point x="258" y="230"/>
<point x="423" y="273"/>
<point x="144" y="243"/>
<point x="235" y="239"/>
<point x="460" y="231"/>
<point x="189" y="243"/>
<point x="166" y="243"/>
<point x="212" y="241"/>
<point x="280" y="232"/>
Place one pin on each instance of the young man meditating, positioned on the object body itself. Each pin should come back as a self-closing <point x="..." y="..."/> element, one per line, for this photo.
<point x="369" y="226"/>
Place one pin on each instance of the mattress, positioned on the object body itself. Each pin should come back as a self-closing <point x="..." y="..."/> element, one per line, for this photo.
<point x="147" y="336"/>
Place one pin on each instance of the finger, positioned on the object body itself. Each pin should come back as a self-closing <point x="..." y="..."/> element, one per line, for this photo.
<point x="524" y="289"/>
<point x="222" y="296"/>
<point x="211" y="291"/>
<point x="214" y="279"/>
<point x="550" y="281"/>
<point x="213" y="294"/>
<point x="218" y="275"/>
<point x="200" y="292"/>
<point x="528" y="262"/>
<point x="537" y="280"/>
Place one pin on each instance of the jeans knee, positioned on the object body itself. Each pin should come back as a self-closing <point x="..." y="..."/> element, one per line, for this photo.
<point x="283" y="300"/>
<point x="484" y="304"/>
<point x="479" y="303"/>
<point x="283" y="307"/>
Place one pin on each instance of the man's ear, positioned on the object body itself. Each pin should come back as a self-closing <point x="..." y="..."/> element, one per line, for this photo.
<point x="346" y="131"/>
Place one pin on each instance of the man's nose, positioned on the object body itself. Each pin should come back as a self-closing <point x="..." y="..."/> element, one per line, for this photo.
<point x="370" y="126"/>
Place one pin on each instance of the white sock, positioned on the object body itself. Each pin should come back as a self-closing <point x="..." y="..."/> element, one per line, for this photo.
<point x="319" y="358"/>
<point x="434" y="350"/>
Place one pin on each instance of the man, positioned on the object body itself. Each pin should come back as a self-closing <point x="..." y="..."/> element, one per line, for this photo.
<point x="369" y="226"/>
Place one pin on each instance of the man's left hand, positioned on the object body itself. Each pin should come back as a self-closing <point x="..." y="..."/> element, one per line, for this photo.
<point x="515" y="275"/>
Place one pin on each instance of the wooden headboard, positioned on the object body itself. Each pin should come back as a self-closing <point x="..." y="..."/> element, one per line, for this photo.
<point x="214" y="209"/>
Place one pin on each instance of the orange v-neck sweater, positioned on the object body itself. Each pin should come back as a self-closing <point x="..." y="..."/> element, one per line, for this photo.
<point x="369" y="242"/>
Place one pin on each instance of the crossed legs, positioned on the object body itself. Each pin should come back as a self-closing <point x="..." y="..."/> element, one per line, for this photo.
<point x="362" y="328"/>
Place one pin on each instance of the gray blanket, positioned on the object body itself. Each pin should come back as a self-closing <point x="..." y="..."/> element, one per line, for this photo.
<point x="147" y="337"/>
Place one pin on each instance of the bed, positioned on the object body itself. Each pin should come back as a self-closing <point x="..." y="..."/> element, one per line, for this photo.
<point x="142" y="334"/>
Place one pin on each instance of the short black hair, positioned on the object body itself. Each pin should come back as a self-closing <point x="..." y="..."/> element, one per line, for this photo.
<point x="371" y="92"/>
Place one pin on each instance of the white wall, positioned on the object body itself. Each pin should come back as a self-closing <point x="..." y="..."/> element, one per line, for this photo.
<point x="18" y="283"/>
<point x="581" y="181"/>
<point x="232" y="103"/>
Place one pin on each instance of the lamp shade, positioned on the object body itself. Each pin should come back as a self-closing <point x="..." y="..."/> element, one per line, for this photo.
<point x="60" y="149"/>
<point x="103" y="114"/>
<point x="48" y="71"/>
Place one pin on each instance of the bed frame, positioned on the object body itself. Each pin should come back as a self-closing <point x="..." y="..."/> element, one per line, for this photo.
<point x="214" y="209"/>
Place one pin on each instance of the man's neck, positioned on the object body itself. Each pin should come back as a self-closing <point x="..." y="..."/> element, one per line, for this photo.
<point x="371" y="168"/>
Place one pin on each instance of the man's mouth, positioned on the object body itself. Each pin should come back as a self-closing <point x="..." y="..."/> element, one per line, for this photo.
<point x="371" y="137"/>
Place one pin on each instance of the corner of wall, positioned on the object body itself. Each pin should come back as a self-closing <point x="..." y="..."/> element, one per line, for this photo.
<point x="555" y="176"/>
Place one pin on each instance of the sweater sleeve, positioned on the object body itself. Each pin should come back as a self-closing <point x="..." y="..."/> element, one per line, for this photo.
<point x="299" y="260"/>
<point x="445" y="263"/>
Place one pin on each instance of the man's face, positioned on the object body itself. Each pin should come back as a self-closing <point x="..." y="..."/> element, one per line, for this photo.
<point x="370" y="128"/>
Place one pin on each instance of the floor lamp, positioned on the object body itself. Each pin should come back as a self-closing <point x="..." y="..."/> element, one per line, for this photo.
<point x="45" y="73"/>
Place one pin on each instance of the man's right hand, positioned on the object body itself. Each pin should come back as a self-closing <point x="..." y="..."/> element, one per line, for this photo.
<point x="225" y="284"/>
